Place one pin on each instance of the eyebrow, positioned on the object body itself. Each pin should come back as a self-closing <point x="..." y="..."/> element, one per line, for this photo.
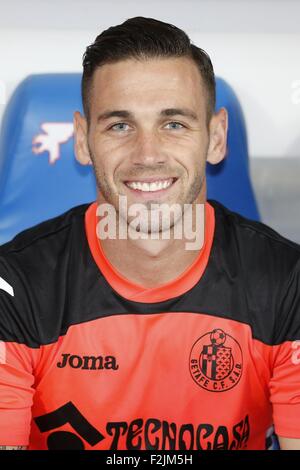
<point x="169" y="112"/>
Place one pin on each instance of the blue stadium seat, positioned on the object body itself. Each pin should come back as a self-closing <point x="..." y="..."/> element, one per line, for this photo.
<point x="40" y="177"/>
<point x="229" y="182"/>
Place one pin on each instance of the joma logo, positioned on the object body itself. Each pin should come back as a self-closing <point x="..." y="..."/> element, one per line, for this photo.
<point x="88" y="362"/>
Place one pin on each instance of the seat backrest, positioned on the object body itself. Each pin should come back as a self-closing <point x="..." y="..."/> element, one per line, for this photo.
<point x="229" y="182"/>
<point x="40" y="176"/>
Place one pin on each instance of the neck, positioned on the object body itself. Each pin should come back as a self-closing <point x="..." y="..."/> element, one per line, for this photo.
<point x="149" y="262"/>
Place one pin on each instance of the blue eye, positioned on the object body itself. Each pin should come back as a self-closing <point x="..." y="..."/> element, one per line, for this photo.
<point x="122" y="124"/>
<point x="176" y="124"/>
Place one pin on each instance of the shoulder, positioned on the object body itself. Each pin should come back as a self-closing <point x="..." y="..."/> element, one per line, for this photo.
<point x="264" y="267"/>
<point x="32" y="265"/>
<point x="254" y="242"/>
<point x="45" y="233"/>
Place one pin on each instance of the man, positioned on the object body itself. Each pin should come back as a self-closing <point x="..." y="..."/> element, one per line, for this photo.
<point x="139" y="342"/>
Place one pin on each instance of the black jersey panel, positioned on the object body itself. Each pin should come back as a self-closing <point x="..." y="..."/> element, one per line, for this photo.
<point x="252" y="277"/>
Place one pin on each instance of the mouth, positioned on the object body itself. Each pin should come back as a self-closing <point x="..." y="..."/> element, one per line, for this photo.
<point x="151" y="185"/>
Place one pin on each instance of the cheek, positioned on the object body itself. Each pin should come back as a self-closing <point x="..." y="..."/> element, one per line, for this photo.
<point x="111" y="144"/>
<point x="107" y="159"/>
<point x="192" y="160"/>
<point x="187" y="144"/>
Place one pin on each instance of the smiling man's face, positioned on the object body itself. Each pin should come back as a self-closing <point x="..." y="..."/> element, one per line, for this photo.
<point x="148" y="138"/>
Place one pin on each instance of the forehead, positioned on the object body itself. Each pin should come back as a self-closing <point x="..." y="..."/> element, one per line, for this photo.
<point x="147" y="83"/>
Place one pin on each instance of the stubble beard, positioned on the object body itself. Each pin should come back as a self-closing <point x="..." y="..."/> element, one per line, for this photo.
<point x="112" y="198"/>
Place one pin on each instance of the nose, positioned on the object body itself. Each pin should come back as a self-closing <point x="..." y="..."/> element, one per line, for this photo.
<point x="148" y="150"/>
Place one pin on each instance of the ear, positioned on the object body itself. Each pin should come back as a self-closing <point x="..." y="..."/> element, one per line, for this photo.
<point x="218" y="127"/>
<point x="80" y="139"/>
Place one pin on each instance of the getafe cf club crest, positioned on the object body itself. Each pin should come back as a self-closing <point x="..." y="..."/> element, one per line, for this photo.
<point x="216" y="361"/>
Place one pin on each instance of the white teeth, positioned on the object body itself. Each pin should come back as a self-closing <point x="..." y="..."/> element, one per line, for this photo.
<point x="154" y="186"/>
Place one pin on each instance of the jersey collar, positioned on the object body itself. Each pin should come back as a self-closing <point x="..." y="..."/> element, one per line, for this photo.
<point x="138" y="293"/>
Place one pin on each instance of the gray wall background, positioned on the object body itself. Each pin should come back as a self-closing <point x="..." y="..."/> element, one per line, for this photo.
<point x="276" y="183"/>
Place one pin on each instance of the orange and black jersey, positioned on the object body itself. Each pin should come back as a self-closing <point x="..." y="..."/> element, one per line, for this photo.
<point x="90" y="360"/>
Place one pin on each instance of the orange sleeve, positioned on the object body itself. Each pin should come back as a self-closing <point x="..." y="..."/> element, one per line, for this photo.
<point x="285" y="389"/>
<point x="16" y="392"/>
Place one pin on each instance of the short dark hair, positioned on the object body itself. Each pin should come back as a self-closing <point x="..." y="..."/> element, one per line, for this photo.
<point x="143" y="38"/>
